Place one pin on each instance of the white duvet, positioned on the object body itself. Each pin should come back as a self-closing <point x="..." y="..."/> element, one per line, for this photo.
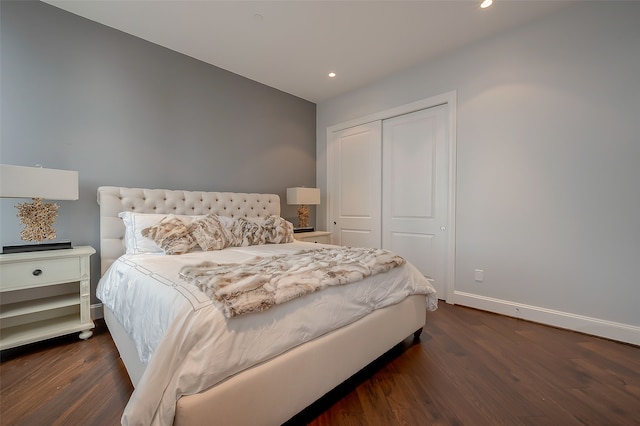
<point x="189" y="345"/>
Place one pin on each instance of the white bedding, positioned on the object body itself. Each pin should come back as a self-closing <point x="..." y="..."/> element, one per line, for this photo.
<point x="188" y="344"/>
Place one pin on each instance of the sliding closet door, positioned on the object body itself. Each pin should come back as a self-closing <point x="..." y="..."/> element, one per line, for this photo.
<point x="415" y="190"/>
<point x="355" y="187"/>
<point x="391" y="185"/>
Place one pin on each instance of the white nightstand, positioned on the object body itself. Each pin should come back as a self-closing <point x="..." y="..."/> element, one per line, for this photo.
<point x="44" y="294"/>
<point x="322" y="237"/>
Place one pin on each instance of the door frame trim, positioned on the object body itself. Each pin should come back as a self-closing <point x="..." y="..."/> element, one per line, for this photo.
<point x="450" y="99"/>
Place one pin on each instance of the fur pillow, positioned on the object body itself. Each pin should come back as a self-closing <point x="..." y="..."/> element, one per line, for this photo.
<point x="178" y="235"/>
<point x="134" y="241"/>
<point x="210" y="233"/>
<point x="277" y="230"/>
<point x="172" y="234"/>
<point x="245" y="233"/>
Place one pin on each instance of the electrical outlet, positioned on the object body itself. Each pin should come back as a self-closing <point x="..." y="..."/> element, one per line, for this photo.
<point x="478" y="275"/>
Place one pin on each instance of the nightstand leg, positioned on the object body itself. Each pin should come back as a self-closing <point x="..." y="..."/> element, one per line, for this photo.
<point x="85" y="334"/>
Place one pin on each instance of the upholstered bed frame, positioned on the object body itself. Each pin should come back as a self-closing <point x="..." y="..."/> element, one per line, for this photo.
<point x="274" y="391"/>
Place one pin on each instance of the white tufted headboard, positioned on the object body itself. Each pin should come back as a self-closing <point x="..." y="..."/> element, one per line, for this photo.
<point x="113" y="200"/>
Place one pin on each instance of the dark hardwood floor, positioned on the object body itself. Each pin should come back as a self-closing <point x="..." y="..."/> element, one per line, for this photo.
<point x="469" y="368"/>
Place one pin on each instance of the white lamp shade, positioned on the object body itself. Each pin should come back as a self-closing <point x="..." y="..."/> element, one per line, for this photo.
<point x="37" y="182"/>
<point x="306" y="196"/>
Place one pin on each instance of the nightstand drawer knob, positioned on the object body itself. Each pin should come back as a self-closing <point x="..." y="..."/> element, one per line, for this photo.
<point x="37" y="272"/>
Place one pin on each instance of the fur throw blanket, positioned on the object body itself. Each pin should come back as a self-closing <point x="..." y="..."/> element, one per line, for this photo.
<point x="259" y="284"/>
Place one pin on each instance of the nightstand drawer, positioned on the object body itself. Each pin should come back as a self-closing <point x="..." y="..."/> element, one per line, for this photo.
<point x="35" y="273"/>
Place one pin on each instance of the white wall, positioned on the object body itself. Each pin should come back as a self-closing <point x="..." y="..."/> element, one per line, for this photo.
<point x="548" y="165"/>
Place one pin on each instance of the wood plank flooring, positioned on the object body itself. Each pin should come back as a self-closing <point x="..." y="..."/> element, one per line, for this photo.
<point x="469" y="368"/>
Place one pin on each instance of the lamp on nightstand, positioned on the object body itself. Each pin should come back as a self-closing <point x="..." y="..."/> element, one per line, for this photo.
<point x="303" y="198"/>
<point x="38" y="218"/>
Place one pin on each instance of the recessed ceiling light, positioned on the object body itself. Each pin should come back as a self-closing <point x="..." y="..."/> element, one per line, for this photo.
<point x="486" y="3"/>
<point x="332" y="74"/>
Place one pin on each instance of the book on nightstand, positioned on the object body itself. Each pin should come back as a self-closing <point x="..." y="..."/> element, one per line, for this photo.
<point x="307" y="229"/>
<point x="27" y="248"/>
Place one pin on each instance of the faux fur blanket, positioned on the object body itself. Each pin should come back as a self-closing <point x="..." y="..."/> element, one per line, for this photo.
<point x="258" y="285"/>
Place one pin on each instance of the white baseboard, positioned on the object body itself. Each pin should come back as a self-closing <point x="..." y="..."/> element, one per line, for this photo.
<point x="96" y="311"/>
<point x="594" y="326"/>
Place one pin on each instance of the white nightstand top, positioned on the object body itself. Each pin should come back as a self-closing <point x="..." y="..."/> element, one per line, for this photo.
<point x="313" y="234"/>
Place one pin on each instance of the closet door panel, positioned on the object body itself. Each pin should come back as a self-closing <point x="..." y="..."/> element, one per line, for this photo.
<point x="409" y="168"/>
<point x="356" y="184"/>
<point x="416" y="249"/>
<point x="414" y="189"/>
<point x="356" y="175"/>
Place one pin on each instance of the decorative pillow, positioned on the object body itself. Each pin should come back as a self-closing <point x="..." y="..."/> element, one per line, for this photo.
<point x="173" y="234"/>
<point x="277" y="230"/>
<point x="178" y="234"/>
<point x="210" y="233"/>
<point x="134" y="241"/>
<point x="245" y="233"/>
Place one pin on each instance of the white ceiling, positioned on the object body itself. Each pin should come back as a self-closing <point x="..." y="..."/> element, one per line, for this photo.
<point x="292" y="45"/>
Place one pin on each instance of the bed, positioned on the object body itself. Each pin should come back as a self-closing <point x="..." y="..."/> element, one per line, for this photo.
<point x="278" y="361"/>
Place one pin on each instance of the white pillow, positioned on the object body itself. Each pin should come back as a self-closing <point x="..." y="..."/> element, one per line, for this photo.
<point x="134" y="223"/>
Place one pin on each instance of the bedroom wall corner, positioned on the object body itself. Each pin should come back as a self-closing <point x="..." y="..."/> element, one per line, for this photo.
<point x="121" y="111"/>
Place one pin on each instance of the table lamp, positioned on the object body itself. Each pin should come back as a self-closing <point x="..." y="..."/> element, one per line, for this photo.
<point x="37" y="217"/>
<point x="303" y="198"/>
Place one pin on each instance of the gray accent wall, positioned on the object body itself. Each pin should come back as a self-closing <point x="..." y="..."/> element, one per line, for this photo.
<point x="548" y="164"/>
<point x="121" y="111"/>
